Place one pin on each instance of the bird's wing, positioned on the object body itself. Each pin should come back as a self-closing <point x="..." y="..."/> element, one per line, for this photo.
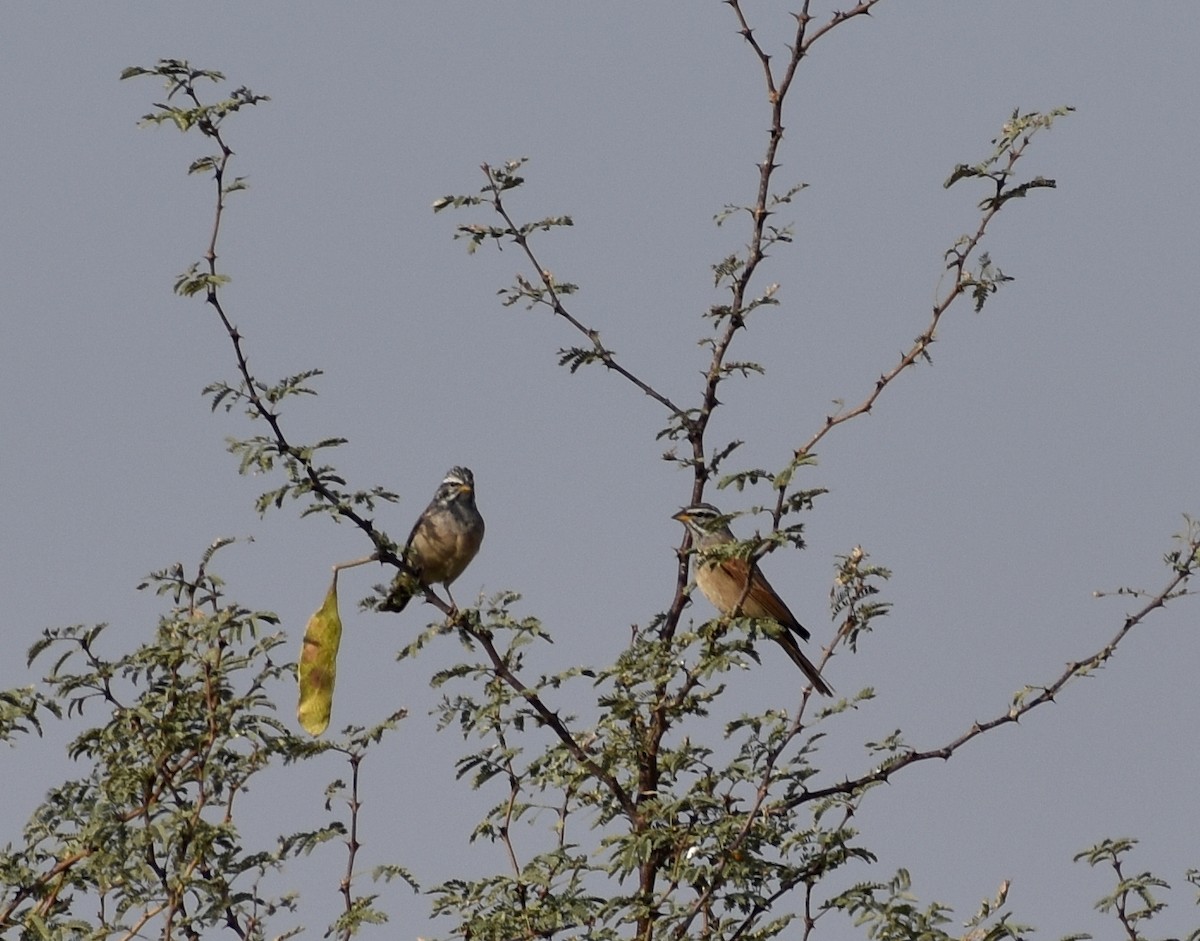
<point x="762" y="601"/>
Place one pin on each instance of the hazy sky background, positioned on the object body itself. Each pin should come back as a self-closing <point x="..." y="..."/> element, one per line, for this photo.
<point x="1049" y="452"/>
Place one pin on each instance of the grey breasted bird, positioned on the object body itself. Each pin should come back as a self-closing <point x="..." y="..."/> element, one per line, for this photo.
<point x="443" y="541"/>
<point x="727" y="582"/>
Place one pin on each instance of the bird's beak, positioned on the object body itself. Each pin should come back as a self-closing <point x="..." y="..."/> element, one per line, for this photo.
<point x="682" y="516"/>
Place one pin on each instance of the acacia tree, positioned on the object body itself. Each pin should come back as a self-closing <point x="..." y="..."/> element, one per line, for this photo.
<point x="663" y="826"/>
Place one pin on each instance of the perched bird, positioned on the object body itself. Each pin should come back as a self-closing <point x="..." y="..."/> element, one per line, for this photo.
<point x="443" y="541"/>
<point x="728" y="583"/>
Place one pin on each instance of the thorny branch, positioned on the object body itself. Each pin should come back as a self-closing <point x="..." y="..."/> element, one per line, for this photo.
<point x="1186" y="564"/>
<point x="503" y="672"/>
<point x="602" y="353"/>
<point x="964" y="283"/>
<point x="181" y="79"/>
<point x="352" y="845"/>
<point x="696" y="424"/>
<point x="777" y="91"/>
<point x="184" y="83"/>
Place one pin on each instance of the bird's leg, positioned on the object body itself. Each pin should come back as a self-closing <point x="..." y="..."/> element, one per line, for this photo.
<point x="453" y="604"/>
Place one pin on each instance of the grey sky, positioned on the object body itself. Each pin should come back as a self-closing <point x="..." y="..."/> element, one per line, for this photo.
<point x="1048" y="453"/>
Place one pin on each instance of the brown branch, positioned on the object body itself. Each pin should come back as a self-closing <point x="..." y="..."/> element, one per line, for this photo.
<point x="551" y="719"/>
<point x="261" y="408"/>
<point x="603" y="353"/>
<point x="838" y="18"/>
<point x="1185" y="569"/>
<point x="777" y="91"/>
<point x="514" y="789"/>
<point x="697" y="427"/>
<point x="762" y="792"/>
<point x="922" y="343"/>
<point x="135" y="930"/>
<point x="352" y="844"/>
<point x="960" y="255"/>
<point x="786" y="886"/>
<point x="22" y="893"/>
<point x="1120" y="903"/>
<point x="962" y="252"/>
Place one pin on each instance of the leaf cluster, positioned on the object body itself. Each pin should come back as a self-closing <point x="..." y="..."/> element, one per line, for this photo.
<point x="147" y="834"/>
<point x="180" y="78"/>
<point x="728" y="827"/>
<point x="1133" y="901"/>
<point x="888" y="911"/>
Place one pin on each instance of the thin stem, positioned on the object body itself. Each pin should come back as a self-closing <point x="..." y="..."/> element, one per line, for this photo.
<point x="514" y="791"/>
<point x="352" y="844"/>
